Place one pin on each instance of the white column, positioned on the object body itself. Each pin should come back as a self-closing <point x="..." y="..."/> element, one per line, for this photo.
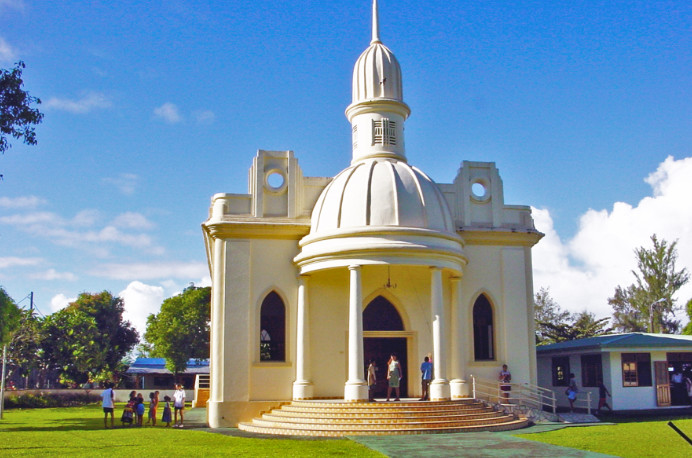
<point x="439" y="387"/>
<point x="457" y="385"/>
<point x="302" y="386"/>
<point x="356" y="388"/>
<point x="216" y="374"/>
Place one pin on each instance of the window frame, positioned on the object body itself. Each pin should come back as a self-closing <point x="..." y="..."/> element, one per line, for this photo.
<point x="588" y="366"/>
<point x="556" y="362"/>
<point x="636" y="370"/>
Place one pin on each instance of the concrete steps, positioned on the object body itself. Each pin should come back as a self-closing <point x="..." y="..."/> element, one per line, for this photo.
<point x="339" y="418"/>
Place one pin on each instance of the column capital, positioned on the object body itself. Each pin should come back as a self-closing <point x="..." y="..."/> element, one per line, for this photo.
<point x="455" y="279"/>
<point x="354" y="267"/>
<point x="434" y="268"/>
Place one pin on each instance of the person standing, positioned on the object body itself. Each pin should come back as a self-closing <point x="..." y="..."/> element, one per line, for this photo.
<point x="505" y="378"/>
<point x="108" y="404"/>
<point x="372" y="380"/>
<point x="393" y="376"/>
<point x="178" y="406"/>
<point x="572" y="391"/>
<point x="426" y="369"/>
<point x="602" y="401"/>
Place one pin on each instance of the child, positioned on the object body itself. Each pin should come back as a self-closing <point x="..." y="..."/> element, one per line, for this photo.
<point x="166" y="417"/>
<point x="153" y="405"/>
<point x="140" y="409"/>
<point x="602" y="393"/>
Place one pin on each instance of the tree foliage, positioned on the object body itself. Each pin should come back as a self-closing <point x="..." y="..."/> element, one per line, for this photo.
<point x="656" y="281"/>
<point x="88" y="338"/>
<point x="9" y="316"/>
<point x="579" y="326"/>
<point x="547" y="312"/>
<point x="556" y="325"/>
<point x="17" y="117"/>
<point x="688" y="327"/>
<point x="24" y="353"/>
<point x="180" y="331"/>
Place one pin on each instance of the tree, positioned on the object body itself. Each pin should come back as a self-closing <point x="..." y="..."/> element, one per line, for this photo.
<point x="547" y="312"/>
<point x="579" y="326"/>
<point x="9" y="317"/>
<point x="24" y="350"/>
<point x="688" y="326"/>
<point x="180" y="331"/>
<point x="648" y="303"/>
<point x="17" y="118"/>
<point x="88" y="338"/>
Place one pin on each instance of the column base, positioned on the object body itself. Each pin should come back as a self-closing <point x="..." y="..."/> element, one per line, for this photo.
<point x="439" y="390"/>
<point x="356" y="392"/>
<point x="459" y="388"/>
<point x="302" y="389"/>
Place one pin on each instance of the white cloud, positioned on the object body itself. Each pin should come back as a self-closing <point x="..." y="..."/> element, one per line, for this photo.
<point x="582" y="273"/>
<point x="89" y="101"/>
<point x="21" y="202"/>
<point x="125" y="182"/>
<point x="155" y="270"/>
<point x="204" y="116"/>
<point x="52" y="274"/>
<point x="68" y="232"/>
<point x="141" y="300"/>
<point x="169" y="113"/>
<point x="18" y="262"/>
<point x="7" y="52"/>
<point x="132" y="220"/>
<point x="59" y="302"/>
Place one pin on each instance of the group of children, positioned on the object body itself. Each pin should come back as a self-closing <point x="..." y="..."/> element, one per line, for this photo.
<point x="133" y="413"/>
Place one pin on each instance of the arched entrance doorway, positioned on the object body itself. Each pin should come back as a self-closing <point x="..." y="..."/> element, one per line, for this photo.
<point x="384" y="334"/>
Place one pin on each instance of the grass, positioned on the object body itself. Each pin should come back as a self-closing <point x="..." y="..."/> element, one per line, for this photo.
<point x="628" y="437"/>
<point x="78" y="431"/>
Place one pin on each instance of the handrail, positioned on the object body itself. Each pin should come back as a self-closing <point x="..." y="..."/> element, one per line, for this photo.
<point x="523" y="394"/>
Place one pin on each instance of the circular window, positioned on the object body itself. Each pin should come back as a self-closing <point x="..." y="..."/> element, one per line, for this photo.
<point x="478" y="190"/>
<point x="275" y="180"/>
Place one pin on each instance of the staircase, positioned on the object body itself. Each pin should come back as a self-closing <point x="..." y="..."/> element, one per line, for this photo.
<point x="201" y="390"/>
<point x="339" y="418"/>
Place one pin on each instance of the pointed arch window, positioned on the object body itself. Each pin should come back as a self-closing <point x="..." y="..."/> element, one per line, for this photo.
<point x="483" y="330"/>
<point x="272" y="328"/>
<point x="381" y="315"/>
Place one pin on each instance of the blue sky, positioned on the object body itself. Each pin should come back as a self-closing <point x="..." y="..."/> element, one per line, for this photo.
<point x="152" y="107"/>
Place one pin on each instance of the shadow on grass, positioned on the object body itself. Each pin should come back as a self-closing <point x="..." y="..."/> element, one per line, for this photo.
<point x="70" y="424"/>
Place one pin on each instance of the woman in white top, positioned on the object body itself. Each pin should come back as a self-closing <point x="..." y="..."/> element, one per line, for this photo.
<point x="394" y="375"/>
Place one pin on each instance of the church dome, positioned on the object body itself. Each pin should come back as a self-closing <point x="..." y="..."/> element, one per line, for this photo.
<point x="381" y="192"/>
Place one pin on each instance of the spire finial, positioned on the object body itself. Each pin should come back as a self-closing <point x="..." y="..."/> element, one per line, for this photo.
<point x="375" y="24"/>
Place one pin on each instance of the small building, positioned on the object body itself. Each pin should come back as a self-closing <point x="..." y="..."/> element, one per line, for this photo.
<point x="640" y="370"/>
<point x="151" y="373"/>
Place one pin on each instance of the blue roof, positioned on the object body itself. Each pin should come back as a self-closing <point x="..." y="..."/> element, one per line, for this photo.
<point x="158" y="366"/>
<point x="627" y="340"/>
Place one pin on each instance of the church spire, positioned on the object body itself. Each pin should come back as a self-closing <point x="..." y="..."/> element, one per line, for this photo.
<point x="375" y="24"/>
<point x="377" y="111"/>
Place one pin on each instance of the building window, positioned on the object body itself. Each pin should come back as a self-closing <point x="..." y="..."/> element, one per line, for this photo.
<point x="483" y="335"/>
<point x="636" y="369"/>
<point x="560" y="371"/>
<point x="272" y="329"/>
<point x="591" y="370"/>
<point x="384" y="132"/>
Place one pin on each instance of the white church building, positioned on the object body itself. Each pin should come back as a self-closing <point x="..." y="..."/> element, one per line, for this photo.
<point x="312" y="277"/>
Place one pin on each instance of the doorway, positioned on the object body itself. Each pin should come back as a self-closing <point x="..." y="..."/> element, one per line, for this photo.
<point x="379" y="349"/>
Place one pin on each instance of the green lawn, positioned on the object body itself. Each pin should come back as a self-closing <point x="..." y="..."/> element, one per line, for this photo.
<point x="78" y="431"/>
<point x="629" y="437"/>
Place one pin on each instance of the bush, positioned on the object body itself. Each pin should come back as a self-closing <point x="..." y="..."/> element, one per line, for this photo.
<point x="33" y="401"/>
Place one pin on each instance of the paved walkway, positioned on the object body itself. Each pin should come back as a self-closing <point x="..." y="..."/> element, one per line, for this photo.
<point x="483" y="444"/>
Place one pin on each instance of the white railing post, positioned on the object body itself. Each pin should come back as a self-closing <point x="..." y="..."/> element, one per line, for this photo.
<point x="473" y="386"/>
<point x="588" y="401"/>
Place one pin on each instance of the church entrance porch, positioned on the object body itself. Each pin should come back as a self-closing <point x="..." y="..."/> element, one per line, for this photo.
<point x="379" y="349"/>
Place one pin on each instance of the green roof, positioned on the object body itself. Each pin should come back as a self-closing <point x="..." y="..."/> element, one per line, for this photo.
<point x="628" y="340"/>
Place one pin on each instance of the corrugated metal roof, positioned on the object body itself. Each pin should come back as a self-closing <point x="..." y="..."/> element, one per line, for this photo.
<point x="627" y="340"/>
<point x="143" y="366"/>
